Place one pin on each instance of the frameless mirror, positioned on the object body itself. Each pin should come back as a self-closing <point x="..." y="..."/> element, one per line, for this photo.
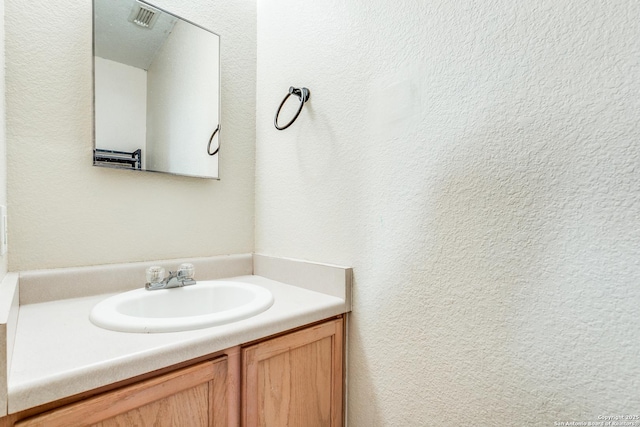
<point x="156" y="90"/>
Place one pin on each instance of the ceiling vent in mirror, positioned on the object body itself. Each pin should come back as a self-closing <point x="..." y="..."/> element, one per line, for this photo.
<point x="143" y="15"/>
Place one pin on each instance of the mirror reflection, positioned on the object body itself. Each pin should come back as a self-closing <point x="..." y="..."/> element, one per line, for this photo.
<point x="156" y="90"/>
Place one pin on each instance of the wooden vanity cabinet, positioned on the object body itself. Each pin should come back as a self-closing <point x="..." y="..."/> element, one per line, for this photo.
<point x="295" y="379"/>
<point x="194" y="396"/>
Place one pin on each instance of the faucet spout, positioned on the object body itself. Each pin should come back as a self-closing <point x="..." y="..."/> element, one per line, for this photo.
<point x="175" y="279"/>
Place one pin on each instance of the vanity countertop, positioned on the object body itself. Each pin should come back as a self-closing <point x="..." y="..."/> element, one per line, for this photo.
<point x="58" y="352"/>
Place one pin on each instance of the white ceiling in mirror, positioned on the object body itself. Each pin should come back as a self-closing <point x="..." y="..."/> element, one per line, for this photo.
<point x="114" y="29"/>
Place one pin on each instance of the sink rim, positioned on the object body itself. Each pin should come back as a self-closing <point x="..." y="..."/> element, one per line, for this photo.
<point x="105" y="313"/>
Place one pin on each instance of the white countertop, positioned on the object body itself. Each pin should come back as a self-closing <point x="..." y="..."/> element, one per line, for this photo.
<point x="58" y="352"/>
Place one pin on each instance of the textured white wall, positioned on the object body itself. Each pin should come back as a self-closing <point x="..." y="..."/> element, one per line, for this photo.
<point x="478" y="165"/>
<point x="3" y="138"/>
<point x="65" y="212"/>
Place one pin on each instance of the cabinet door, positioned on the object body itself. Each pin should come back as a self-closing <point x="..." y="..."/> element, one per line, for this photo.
<point x="193" y="396"/>
<point x="295" y="380"/>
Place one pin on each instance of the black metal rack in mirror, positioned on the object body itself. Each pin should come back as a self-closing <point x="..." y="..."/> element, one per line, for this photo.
<point x="118" y="159"/>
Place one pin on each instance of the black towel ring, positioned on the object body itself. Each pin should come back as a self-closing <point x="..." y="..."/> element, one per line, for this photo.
<point x="211" y="139"/>
<point x="303" y="94"/>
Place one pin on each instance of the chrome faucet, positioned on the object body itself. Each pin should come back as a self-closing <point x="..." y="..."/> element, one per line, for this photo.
<point x="175" y="279"/>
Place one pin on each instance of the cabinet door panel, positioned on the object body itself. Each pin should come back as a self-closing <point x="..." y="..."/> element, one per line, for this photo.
<point x="187" y="408"/>
<point x="183" y="397"/>
<point x="295" y="380"/>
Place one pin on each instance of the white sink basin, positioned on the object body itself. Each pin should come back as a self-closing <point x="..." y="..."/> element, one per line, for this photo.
<point x="205" y="304"/>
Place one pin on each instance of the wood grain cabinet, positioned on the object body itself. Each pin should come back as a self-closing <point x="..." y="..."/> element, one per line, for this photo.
<point x="295" y="380"/>
<point x="194" y="396"/>
<point x="292" y="380"/>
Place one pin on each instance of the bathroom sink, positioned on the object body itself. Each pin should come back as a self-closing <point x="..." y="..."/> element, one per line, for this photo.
<point x="205" y="304"/>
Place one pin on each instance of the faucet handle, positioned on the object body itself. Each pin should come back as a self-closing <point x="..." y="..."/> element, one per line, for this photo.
<point x="155" y="274"/>
<point x="186" y="271"/>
